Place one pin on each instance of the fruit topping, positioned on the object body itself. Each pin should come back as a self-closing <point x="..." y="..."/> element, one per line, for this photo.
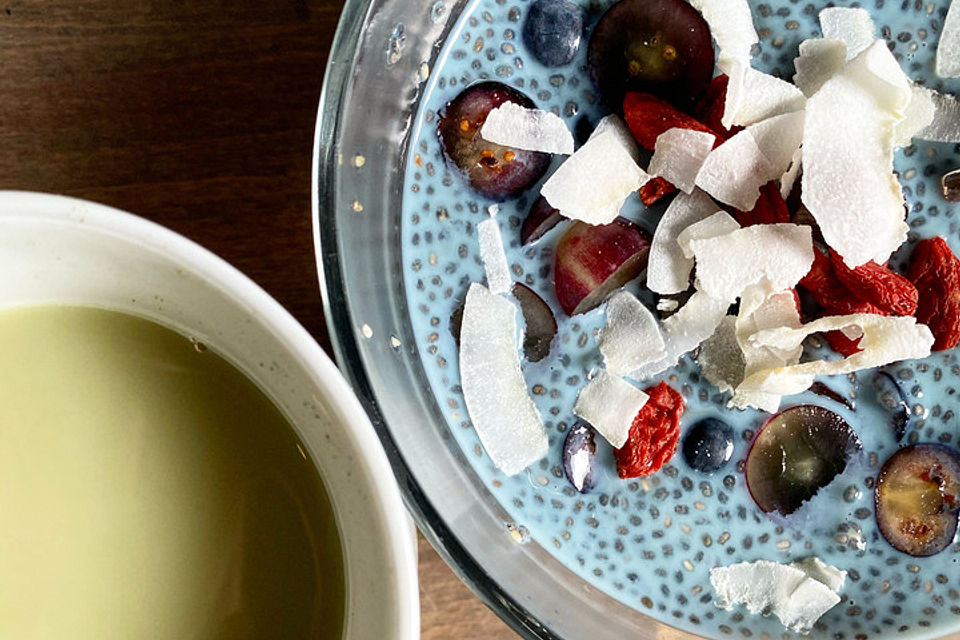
<point x="662" y="47"/>
<point x="593" y="183"/>
<point x="541" y="218"/>
<point x="798" y="452"/>
<point x="770" y="208"/>
<point x="888" y="395"/>
<point x="494" y="390"/>
<point x="870" y="282"/>
<point x="916" y="498"/>
<point x="708" y="445"/>
<point x="654" y="434"/>
<point x="591" y="261"/>
<point x="824" y="391"/>
<point x="949" y="185"/>
<point x="552" y="31"/>
<point x="935" y="270"/>
<point x="579" y="457"/>
<point x="648" y="117"/>
<point x="679" y="155"/>
<point x="499" y="278"/>
<point x="529" y="129"/>
<point x="492" y="170"/>
<point x="541" y="325"/>
<point x="654" y="189"/>
<point x="610" y="404"/>
<point x="631" y="337"/>
<point x="668" y="270"/>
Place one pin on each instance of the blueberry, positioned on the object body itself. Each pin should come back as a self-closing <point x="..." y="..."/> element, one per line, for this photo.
<point x="708" y="445"/>
<point x="553" y="30"/>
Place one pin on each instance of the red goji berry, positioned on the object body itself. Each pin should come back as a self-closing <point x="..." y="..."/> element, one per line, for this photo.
<point x="709" y="109"/>
<point x="770" y="208"/>
<point x="822" y="283"/>
<point x="842" y="344"/>
<point x="649" y="116"/>
<point x="654" y="434"/>
<point x="935" y="271"/>
<point x="877" y="285"/>
<point x="654" y="189"/>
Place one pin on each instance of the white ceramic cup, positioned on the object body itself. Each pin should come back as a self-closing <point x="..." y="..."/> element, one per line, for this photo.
<point x="60" y="250"/>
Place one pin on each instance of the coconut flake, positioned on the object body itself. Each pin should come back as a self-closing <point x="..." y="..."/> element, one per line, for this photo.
<point x="819" y="59"/>
<point x="758" y="96"/>
<point x="731" y="25"/>
<point x="779" y="139"/>
<point x="776" y="254"/>
<point x="696" y="321"/>
<point x="615" y="124"/>
<point x="718" y="224"/>
<point x="493" y="257"/>
<point x="853" y="26"/>
<point x="592" y="183"/>
<point x="667" y="305"/>
<point x="848" y="182"/>
<point x="789" y="177"/>
<point x="631" y="336"/>
<point x="917" y="117"/>
<point x="734" y="172"/>
<point x="529" y="129"/>
<point x="945" y="124"/>
<point x="679" y="154"/>
<point x="948" y="48"/>
<point x="668" y="270"/>
<point x="885" y="339"/>
<point x="720" y="358"/>
<point x="820" y="571"/>
<point x="610" y="403"/>
<point x="499" y="405"/>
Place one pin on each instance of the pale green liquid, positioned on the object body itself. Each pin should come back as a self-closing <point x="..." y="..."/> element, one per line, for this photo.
<point x="149" y="490"/>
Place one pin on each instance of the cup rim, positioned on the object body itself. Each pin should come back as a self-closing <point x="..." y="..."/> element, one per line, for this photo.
<point x="332" y="388"/>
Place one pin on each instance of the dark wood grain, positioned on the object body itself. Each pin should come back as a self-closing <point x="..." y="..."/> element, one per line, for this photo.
<point x="199" y="115"/>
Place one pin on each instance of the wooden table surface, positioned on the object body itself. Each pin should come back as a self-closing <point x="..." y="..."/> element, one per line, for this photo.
<point x="199" y="115"/>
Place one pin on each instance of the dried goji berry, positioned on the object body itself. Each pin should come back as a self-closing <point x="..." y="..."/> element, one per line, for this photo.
<point x="709" y="109"/>
<point x="654" y="189"/>
<point x="840" y="343"/>
<point x="649" y="116"/>
<point x="770" y="208"/>
<point x="877" y="285"/>
<point x="822" y="283"/>
<point x="935" y="270"/>
<point x="654" y="434"/>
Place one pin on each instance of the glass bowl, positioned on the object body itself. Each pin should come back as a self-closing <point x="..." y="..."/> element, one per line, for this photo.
<point x="381" y="55"/>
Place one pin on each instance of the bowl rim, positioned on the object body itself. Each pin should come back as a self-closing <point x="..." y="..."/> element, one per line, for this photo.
<point x="336" y="393"/>
<point x="345" y="346"/>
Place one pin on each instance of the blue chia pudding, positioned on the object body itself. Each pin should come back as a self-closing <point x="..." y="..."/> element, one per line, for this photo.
<point x="824" y="480"/>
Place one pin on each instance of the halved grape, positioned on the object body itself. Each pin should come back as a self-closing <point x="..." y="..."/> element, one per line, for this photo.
<point x="579" y="457"/>
<point x="887" y="393"/>
<point x="541" y="325"/>
<point x="798" y="452"/>
<point x="661" y="47"/>
<point x="541" y="218"/>
<point x="492" y="170"/>
<point x="916" y="498"/>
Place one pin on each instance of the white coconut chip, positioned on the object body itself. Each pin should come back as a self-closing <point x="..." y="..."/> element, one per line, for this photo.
<point x="592" y="183"/>
<point x="731" y="25"/>
<point x="610" y="403"/>
<point x="948" y="48"/>
<point x="667" y="305"/>
<point x="720" y="358"/>
<point x="945" y="124"/>
<point x="718" y="224"/>
<point x="820" y="571"/>
<point x="819" y="59"/>
<point x="917" y="117"/>
<point x="529" y="129"/>
<point x="615" y="123"/>
<point x="775" y="254"/>
<point x="885" y="339"/>
<point x="757" y="96"/>
<point x="696" y="321"/>
<point x="848" y="182"/>
<point x="853" y="26"/>
<point x="499" y="279"/>
<point x="679" y="154"/>
<point x="499" y="405"/>
<point x="631" y="336"/>
<point x="668" y="270"/>
<point x="734" y="172"/>
<point x="779" y="139"/>
<point x="789" y="177"/>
